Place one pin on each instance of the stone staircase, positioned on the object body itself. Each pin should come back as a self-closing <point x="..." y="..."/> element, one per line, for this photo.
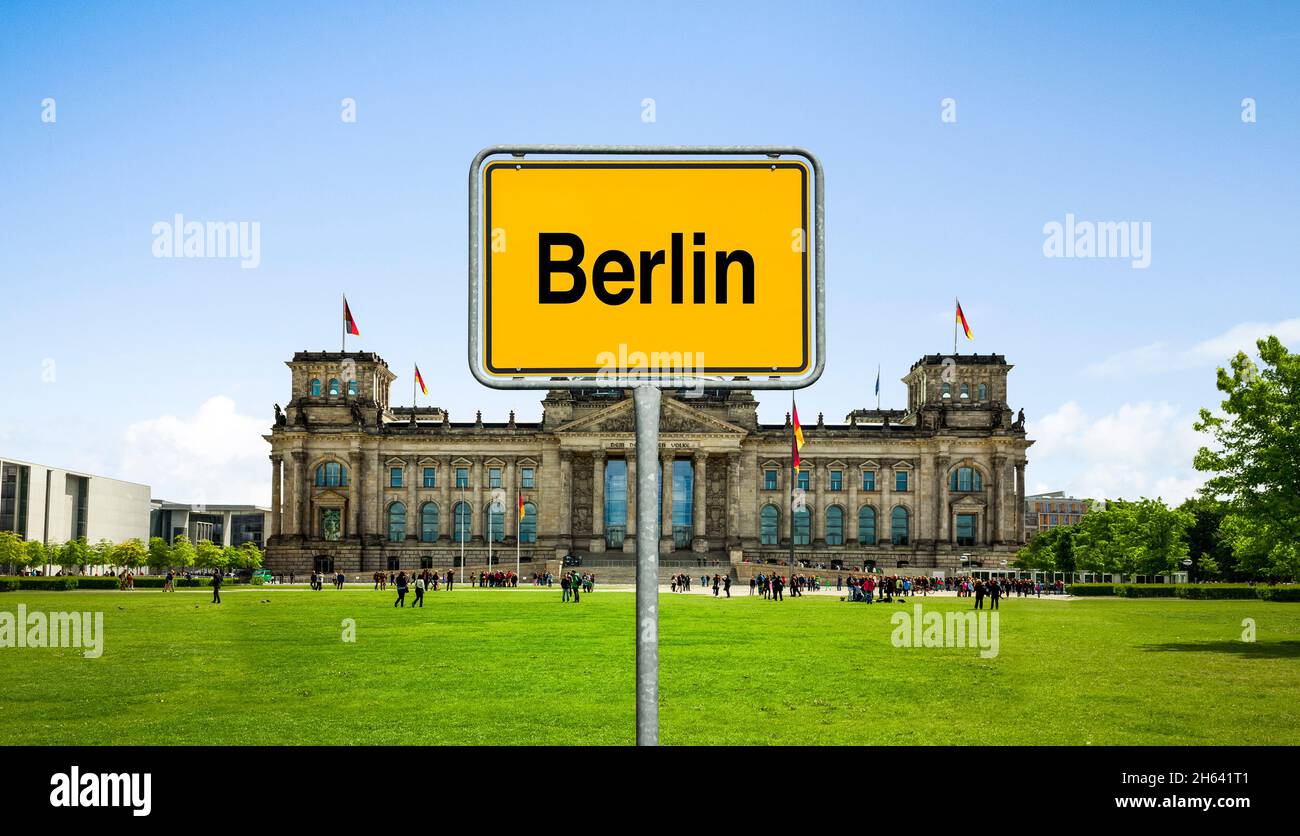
<point x="621" y="568"/>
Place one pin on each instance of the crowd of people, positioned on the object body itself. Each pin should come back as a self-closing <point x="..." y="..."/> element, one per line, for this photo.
<point x="574" y="583"/>
<point x="871" y="588"/>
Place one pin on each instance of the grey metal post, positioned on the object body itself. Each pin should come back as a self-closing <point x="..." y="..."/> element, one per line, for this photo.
<point x="646" y="399"/>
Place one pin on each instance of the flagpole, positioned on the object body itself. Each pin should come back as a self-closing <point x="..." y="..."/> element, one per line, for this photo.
<point x="794" y="478"/>
<point x="954" y="327"/>
<point x="877" y="387"/>
<point x="344" y="350"/>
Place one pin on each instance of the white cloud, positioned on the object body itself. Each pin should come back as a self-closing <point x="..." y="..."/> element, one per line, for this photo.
<point x="1159" y="357"/>
<point x="214" y="456"/>
<point x="1141" y="449"/>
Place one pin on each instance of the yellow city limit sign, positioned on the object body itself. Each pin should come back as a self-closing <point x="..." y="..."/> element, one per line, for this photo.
<point x="605" y="267"/>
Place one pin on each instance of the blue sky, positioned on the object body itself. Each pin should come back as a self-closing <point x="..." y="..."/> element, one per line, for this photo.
<point x="164" y="370"/>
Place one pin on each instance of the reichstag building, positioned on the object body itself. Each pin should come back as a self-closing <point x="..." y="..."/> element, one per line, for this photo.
<point x="359" y="485"/>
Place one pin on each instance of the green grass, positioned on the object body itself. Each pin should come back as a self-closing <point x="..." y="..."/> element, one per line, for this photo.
<point x="517" y="666"/>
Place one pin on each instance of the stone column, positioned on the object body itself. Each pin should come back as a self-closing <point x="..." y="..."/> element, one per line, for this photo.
<point x="942" y="511"/>
<point x="733" y="499"/>
<point x="354" y="495"/>
<point x="277" y="463"/>
<point x="1019" y="533"/>
<point x="629" y="538"/>
<point x="511" y="511"/>
<point x="885" y="518"/>
<point x="412" y="512"/>
<point x="566" y="496"/>
<point x="598" y="501"/>
<point x="853" y="476"/>
<point x="666" y="491"/>
<point x="302" y="494"/>
<point x="476" y="476"/>
<point x="996" y="534"/>
<point x="446" y="481"/>
<point x="699" y="502"/>
<point x="817" y="515"/>
<point x="785" y="482"/>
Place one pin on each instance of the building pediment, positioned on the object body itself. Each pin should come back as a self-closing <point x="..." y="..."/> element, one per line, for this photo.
<point x="968" y="502"/>
<point x="674" y="417"/>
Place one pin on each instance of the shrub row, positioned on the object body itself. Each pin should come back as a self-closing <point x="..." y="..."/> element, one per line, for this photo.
<point x="64" y="583"/>
<point x="1202" y="592"/>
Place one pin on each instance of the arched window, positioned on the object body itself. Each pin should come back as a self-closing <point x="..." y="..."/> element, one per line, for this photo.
<point x="315" y="388"/>
<point x="396" y="522"/>
<point x="866" y="526"/>
<point x="496" y="523"/>
<point x="429" y="522"/>
<point x="334" y="387"/>
<point x="461" y="527"/>
<point x="835" y="526"/>
<point x="769" y="521"/>
<point x="983" y="392"/>
<point x="965" y="480"/>
<point x="947" y="390"/>
<point x="331" y="475"/>
<point x="528" y="525"/>
<point x="802" y="527"/>
<point x="965" y="391"/>
<point x="899" y="526"/>
<point x="354" y="388"/>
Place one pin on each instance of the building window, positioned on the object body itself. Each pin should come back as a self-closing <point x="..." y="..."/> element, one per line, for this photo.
<point x="768" y="525"/>
<point x="769" y="480"/>
<point x="983" y="392"/>
<point x="835" y="526"/>
<point x="899" y="527"/>
<point x="683" y="510"/>
<point x="837" y="480"/>
<point x="396" y="522"/>
<point x="528" y="524"/>
<point x="426" y="561"/>
<point x="331" y="475"/>
<point x="331" y="523"/>
<point x="965" y="529"/>
<point x="354" y="388"/>
<point x="315" y="388"/>
<point x="965" y="480"/>
<point x="494" y="477"/>
<point x="615" y="509"/>
<point x="527" y="477"/>
<point x="866" y="526"/>
<point x="394" y="477"/>
<point x="461" y="527"/>
<point x="431" y="477"/>
<point x="428" y="522"/>
<point x="868" y="480"/>
<point x="947" y="391"/>
<point x="900" y="480"/>
<point x="394" y="563"/>
<point x="803" y="480"/>
<point x="334" y="387"/>
<point x="496" y="523"/>
<point x="462" y="477"/>
<point x="802" y="526"/>
<point x="965" y="391"/>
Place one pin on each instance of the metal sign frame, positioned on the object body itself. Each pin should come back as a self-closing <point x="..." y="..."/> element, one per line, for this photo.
<point x="708" y="381"/>
<point x="646" y="392"/>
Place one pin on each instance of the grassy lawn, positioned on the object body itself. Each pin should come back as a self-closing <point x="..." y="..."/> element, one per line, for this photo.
<point x="517" y="666"/>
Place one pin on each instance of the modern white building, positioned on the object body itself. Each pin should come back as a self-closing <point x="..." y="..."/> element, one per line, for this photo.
<point x="224" y="525"/>
<point x="54" y="505"/>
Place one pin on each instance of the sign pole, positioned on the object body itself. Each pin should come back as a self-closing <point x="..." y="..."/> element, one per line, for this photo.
<point x="646" y="399"/>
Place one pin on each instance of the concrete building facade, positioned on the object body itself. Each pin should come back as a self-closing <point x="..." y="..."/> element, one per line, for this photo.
<point x="359" y="485"/>
<point x="54" y="505"/>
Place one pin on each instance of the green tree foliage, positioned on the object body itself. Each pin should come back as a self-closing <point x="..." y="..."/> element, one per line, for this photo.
<point x="73" y="555"/>
<point x="1255" y="460"/>
<point x="1212" y="558"/>
<point x="101" y="554"/>
<point x="13" y="552"/>
<point x="160" y="554"/>
<point x="130" y="554"/>
<point x="1051" y="550"/>
<point x="209" y="555"/>
<point x="36" y="554"/>
<point x="1145" y="537"/>
<point x="183" y="555"/>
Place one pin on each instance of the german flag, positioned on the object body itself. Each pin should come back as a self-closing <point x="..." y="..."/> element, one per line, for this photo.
<point x="350" y="324"/>
<point x="521" y="506"/>
<point x="420" y="380"/>
<point x="797" y="440"/>
<point x="961" y="320"/>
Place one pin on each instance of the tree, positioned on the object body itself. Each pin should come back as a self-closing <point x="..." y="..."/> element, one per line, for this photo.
<point x="1255" y="460"/>
<point x="1133" y="538"/>
<point x="208" y="555"/>
<point x="183" y="555"/>
<point x="160" y="554"/>
<point x="1211" y="556"/>
<point x="130" y="554"/>
<point x="36" y="554"/>
<point x="1051" y="550"/>
<point x="101" y="554"/>
<point x="13" y="552"/>
<point x="74" y="554"/>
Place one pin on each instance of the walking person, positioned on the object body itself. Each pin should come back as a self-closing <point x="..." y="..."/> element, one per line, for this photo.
<point x="726" y="585"/>
<point x="216" y="588"/>
<point x="419" y="593"/>
<point x="400" y="583"/>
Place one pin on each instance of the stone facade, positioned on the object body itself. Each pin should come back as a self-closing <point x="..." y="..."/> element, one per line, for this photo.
<point x="356" y="483"/>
